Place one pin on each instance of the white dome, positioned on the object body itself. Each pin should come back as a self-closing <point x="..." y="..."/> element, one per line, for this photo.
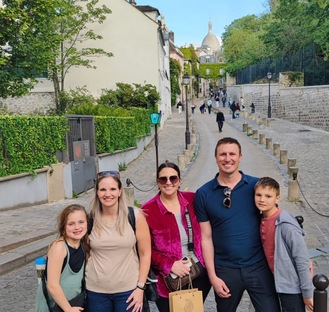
<point x="211" y="40"/>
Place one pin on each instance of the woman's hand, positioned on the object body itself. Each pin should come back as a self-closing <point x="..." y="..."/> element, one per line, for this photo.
<point x="136" y="300"/>
<point x="180" y="268"/>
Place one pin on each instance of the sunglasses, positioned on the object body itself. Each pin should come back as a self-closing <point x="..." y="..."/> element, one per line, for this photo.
<point x="110" y="172"/>
<point x="227" y="200"/>
<point x="163" y="180"/>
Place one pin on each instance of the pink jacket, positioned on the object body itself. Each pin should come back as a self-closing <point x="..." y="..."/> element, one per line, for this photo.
<point x="166" y="243"/>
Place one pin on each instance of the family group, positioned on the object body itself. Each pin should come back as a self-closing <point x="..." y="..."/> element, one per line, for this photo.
<point x="231" y="231"/>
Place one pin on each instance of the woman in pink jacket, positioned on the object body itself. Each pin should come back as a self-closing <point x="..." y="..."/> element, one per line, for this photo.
<point x="166" y="216"/>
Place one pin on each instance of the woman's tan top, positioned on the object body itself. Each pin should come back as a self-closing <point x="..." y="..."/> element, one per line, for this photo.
<point x="113" y="265"/>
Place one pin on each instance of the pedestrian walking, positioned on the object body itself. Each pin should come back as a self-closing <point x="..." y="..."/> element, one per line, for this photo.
<point x="252" y="107"/>
<point x="179" y="107"/>
<point x="231" y="243"/>
<point x="203" y="107"/>
<point x="220" y="120"/>
<point x="233" y="109"/>
<point x="193" y="107"/>
<point x="209" y="105"/>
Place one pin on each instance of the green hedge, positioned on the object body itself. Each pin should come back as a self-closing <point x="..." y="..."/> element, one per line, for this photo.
<point x="30" y="142"/>
<point x="114" y="133"/>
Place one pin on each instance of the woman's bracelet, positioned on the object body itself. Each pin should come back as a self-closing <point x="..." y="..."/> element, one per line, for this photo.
<point x="141" y="286"/>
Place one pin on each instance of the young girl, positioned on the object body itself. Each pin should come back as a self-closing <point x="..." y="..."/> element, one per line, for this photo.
<point x="65" y="261"/>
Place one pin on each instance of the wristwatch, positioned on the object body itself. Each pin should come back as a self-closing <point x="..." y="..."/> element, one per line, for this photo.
<point x="141" y="286"/>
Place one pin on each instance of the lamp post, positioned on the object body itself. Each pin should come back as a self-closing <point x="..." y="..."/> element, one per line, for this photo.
<point x="269" y="108"/>
<point x="155" y="120"/>
<point x="186" y="81"/>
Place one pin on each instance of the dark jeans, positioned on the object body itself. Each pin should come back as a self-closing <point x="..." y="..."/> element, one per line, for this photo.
<point x="201" y="282"/>
<point x="292" y="303"/>
<point x="98" y="302"/>
<point x="257" y="280"/>
<point x="220" y="125"/>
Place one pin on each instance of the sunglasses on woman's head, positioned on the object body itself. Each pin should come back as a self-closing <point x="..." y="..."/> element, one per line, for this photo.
<point x="110" y="172"/>
<point x="163" y="180"/>
<point x="227" y="200"/>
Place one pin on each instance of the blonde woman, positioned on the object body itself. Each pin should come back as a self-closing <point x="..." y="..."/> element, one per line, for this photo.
<point x="115" y="272"/>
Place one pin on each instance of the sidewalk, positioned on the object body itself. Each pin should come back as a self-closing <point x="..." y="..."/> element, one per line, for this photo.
<point x="308" y="145"/>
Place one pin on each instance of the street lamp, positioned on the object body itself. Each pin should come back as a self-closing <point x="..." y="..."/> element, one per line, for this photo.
<point x="155" y="120"/>
<point x="269" y="108"/>
<point x="186" y="82"/>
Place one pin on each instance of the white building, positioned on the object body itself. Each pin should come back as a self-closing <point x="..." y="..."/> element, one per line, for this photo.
<point x="140" y="45"/>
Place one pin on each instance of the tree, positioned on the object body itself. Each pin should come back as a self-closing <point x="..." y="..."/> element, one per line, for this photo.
<point x="242" y="43"/>
<point x="317" y="23"/>
<point x="286" y="33"/>
<point x="44" y="35"/>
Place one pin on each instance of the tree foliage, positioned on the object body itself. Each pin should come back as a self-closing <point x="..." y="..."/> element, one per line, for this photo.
<point x="175" y="73"/>
<point x="47" y="36"/>
<point x="289" y="26"/>
<point x="126" y="96"/>
<point x="242" y="43"/>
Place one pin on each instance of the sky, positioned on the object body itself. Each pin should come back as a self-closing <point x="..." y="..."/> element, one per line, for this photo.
<point x="189" y="19"/>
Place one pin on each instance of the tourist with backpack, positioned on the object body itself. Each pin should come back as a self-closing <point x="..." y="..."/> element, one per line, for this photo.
<point x="116" y="272"/>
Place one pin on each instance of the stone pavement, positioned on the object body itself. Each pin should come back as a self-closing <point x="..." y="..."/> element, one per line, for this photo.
<point x="308" y="145"/>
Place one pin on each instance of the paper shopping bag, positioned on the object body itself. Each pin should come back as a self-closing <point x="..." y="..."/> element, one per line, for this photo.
<point x="186" y="300"/>
<point x="171" y="294"/>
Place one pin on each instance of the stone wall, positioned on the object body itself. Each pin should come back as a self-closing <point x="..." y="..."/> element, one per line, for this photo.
<point x="34" y="103"/>
<point x="305" y="105"/>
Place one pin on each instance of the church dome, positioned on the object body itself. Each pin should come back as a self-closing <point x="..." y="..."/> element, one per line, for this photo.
<point x="211" y="40"/>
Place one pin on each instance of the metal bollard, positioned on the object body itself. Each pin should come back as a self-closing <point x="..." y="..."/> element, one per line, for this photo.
<point x="283" y="157"/>
<point x="276" y="149"/>
<point x="262" y="138"/>
<point x="181" y="162"/>
<point x="268" y="143"/>
<point x="320" y="295"/>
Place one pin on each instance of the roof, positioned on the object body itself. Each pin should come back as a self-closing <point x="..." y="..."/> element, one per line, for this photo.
<point x="147" y="8"/>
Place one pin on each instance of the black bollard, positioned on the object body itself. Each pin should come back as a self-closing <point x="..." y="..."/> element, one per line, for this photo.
<point x="320" y="282"/>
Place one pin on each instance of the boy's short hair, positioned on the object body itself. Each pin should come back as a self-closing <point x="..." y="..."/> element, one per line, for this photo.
<point x="268" y="182"/>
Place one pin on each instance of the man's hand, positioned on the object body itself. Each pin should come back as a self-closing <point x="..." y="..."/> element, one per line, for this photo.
<point x="220" y="288"/>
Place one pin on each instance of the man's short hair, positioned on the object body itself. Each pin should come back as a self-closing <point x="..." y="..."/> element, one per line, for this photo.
<point x="227" y="140"/>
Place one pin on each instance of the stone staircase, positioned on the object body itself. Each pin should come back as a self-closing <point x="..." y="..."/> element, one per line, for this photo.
<point x="20" y="250"/>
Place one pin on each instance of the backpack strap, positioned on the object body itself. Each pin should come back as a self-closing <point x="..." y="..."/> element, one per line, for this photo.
<point x="131" y="218"/>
